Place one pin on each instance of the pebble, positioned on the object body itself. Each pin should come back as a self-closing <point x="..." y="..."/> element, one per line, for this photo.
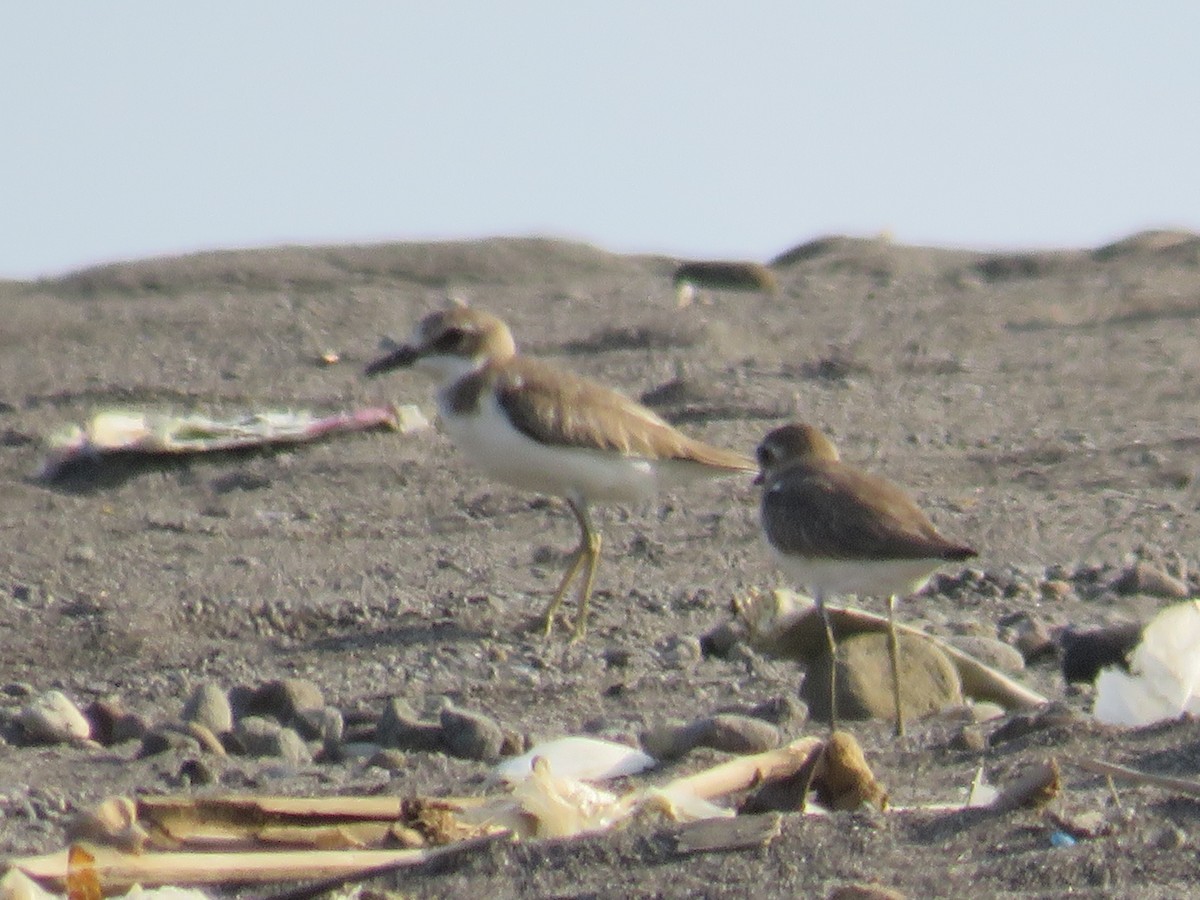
<point x="1030" y="635"/>
<point x="53" y="719"/>
<point x="720" y="641"/>
<point x="1143" y="578"/>
<point x="400" y="728"/>
<point x="108" y="720"/>
<point x="1053" y="715"/>
<point x="682" y="652"/>
<point x="727" y="732"/>
<point x="865" y="892"/>
<point x="389" y="758"/>
<point x="991" y="652"/>
<point x="1086" y="652"/>
<point x="326" y="725"/>
<point x="285" y="698"/>
<point x="18" y="690"/>
<point x="1055" y="589"/>
<point x="81" y="553"/>
<point x="205" y="737"/>
<point x="167" y="739"/>
<point x="130" y="727"/>
<point x="471" y="735"/>
<point x="209" y="706"/>
<point x="1171" y="838"/>
<point x="197" y="772"/>
<point x="929" y="680"/>
<point x="260" y="736"/>
<point x="785" y="711"/>
<point x="969" y="738"/>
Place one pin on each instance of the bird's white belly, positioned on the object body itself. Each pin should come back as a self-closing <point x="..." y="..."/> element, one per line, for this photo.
<point x="495" y="446"/>
<point x="866" y="578"/>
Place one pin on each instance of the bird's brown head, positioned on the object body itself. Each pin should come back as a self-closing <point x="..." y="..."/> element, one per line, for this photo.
<point x="449" y="341"/>
<point x="791" y="444"/>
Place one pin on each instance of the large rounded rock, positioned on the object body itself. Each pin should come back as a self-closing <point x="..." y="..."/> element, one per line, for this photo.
<point x="53" y="719"/>
<point x="209" y="706"/>
<point x="929" y="682"/>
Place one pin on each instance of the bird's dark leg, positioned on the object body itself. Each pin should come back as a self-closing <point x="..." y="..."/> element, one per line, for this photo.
<point x="832" y="661"/>
<point x="894" y="653"/>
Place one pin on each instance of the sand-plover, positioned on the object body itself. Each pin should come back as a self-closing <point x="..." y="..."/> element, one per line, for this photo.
<point x="544" y="429"/>
<point x="837" y="529"/>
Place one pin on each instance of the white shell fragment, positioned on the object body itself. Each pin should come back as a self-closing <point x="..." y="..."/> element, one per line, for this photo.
<point x="577" y="758"/>
<point x="1163" y="680"/>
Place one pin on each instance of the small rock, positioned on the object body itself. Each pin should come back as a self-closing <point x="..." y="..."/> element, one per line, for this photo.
<point x="209" y="706"/>
<point x="1143" y="578"/>
<point x="1171" y="838"/>
<point x="53" y="719"/>
<point x="1086" y="652"/>
<point x="399" y="727"/>
<point x="929" y="681"/>
<point x="720" y="641"/>
<point x="515" y="743"/>
<point x="860" y="891"/>
<point x="82" y="553"/>
<point x="352" y="750"/>
<point x="263" y="737"/>
<point x="325" y="725"/>
<point x="167" y="739"/>
<point x="1031" y="636"/>
<point x="103" y="716"/>
<point x="389" y="758"/>
<point x="991" y="652"/>
<point x="726" y="732"/>
<point x="1053" y="715"/>
<point x="1055" y="589"/>
<point x="196" y="772"/>
<point x="681" y="652"/>
<point x="471" y="735"/>
<point x="970" y="739"/>
<point x="205" y="737"/>
<point x="17" y="690"/>
<point x="617" y="657"/>
<point x="256" y="736"/>
<point x="785" y="711"/>
<point x="130" y="727"/>
<point x="285" y="698"/>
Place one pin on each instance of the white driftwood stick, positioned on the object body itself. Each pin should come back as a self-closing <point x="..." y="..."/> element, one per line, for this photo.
<point x="118" y="871"/>
<point x="747" y="771"/>
<point x="1179" y="785"/>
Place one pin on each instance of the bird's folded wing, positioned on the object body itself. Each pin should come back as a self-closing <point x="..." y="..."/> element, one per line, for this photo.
<point x="559" y="408"/>
<point x="848" y="515"/>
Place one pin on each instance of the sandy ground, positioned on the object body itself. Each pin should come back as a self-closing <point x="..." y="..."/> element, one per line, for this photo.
<point x="1043" y="406"/>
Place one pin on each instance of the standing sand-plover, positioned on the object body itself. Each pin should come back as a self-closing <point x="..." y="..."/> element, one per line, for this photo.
<point x="544" y="429"/>
<point x="837" y="529"/>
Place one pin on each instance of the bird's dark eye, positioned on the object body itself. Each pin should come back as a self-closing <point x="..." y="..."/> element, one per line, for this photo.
<point x="449" y="339"/>
<point x="763" y="455"/>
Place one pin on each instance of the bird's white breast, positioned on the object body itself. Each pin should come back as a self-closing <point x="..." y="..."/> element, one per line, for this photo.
<point x="866" y="578"/>
<point x="490" y="441"/>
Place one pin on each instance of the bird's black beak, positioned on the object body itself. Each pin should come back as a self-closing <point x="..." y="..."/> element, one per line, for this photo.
<point x="401" y="357"/>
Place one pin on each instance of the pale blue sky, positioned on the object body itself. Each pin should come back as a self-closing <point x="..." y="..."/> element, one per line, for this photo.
<point x="699" y="128"/>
